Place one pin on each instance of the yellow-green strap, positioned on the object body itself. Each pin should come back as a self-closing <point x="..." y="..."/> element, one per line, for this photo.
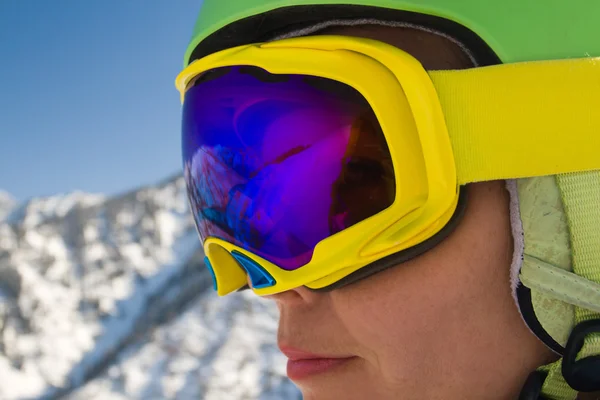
<point x="555" y="387"/>
<point x="560" y="284"/>
<point x="522" y="120"/>
<point x="581" y="198"/>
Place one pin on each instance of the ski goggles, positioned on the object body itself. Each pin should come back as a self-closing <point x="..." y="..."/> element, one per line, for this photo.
<point x="318" y="161"/>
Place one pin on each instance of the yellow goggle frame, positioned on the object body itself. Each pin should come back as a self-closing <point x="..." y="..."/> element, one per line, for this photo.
<point x="443" y="129"/>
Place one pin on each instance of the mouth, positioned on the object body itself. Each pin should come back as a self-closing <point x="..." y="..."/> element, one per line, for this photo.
<point x="302" y="365"/>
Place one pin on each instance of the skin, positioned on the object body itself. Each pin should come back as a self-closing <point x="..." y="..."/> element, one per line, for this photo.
<point x="442" y="326"/>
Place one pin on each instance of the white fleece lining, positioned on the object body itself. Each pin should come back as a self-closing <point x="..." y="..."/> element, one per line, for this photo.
<point x="518" y="237"/>
<point x="366" y="21"/>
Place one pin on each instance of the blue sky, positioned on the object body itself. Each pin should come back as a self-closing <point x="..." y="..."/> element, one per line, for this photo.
<point x="87" y="100"/>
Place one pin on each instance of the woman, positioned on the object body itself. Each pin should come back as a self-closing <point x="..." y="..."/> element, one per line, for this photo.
<point x="425" y="234"/>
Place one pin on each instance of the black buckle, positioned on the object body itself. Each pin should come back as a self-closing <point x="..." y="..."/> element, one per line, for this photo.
<point x="582" y="375"/>
<point x="532" y="390"/>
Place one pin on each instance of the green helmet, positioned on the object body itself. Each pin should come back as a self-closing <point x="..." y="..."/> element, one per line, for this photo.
<point x="556" y="268"/>
<point x="514" y="30"/>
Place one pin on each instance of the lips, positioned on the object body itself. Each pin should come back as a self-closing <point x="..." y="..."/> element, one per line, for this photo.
<point x="302" y="365"/>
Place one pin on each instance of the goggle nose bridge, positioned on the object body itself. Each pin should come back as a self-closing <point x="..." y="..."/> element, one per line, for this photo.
<point x="231" y="268"/>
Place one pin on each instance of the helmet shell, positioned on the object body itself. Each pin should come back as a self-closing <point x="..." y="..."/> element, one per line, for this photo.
<point x="515" y="30"/>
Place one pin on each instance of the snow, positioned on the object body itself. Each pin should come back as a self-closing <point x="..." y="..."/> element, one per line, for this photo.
<point x="39" y="210"/>
<point x="106" y="298"/>
<point x="221" y="349"/>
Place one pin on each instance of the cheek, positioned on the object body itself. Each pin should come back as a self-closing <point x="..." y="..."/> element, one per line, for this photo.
<point x="430" y="313"/>
<point x="395" y="318"/>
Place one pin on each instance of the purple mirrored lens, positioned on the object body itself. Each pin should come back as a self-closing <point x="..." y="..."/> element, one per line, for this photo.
<point x="277" y="163"/>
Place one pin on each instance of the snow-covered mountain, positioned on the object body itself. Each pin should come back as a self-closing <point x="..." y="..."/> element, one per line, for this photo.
<point x="6" y="204"/>
<point x="107" y="298"/>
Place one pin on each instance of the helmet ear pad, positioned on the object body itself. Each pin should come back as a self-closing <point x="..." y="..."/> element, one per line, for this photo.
<point x="280" y="22"/>
<point x="540" y="231"/>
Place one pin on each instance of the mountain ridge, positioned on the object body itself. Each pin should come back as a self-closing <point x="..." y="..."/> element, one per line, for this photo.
<point x="90" y="283"/>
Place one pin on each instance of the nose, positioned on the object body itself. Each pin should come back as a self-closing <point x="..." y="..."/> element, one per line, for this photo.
<point x="300" y="296"/>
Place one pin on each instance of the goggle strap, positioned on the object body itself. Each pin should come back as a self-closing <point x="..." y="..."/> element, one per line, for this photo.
<point x="555" y="104"/>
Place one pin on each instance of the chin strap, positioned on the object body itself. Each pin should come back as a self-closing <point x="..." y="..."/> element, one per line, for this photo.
<point x="579" y="368"/>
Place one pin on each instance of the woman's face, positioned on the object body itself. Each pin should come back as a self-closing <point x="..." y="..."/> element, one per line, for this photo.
<point x="441" y="326"/>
